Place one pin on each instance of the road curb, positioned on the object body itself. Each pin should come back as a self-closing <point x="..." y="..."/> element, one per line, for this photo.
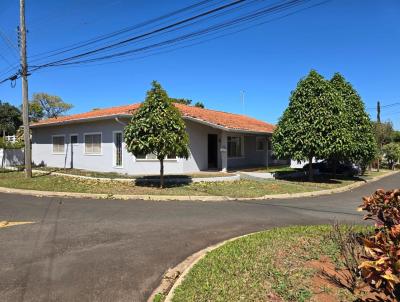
<point x="188" y="197"/>
<point x="175" y="276"/>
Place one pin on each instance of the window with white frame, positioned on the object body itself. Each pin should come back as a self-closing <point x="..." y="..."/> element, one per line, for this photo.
<point x="93" y="143"/>
<point x="58" y="144"/>
<point x="235" y="146"/>
<point x="118" y="149"/>
<point x="152" y="156"/>
<point x="260" y="143"/>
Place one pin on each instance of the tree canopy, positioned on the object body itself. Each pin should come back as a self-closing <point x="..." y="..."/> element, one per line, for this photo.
<point x="359" y="142"/>
<point x="186" y="102"/>
<point x="392" y="153"/>
<point x="157" y="128"/>
<point x="309" y="126"/>
<point x="10" y="118"/>
<point x="44" y="105"/>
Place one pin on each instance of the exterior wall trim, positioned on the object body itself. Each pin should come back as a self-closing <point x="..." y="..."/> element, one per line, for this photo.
<point x="114" y="149"/>
<point x="101" y="143"/>
<point x="52" y="145"/>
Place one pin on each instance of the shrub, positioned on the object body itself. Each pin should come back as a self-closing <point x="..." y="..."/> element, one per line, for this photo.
<point x="381" y="266"/>
<point x="8" y="145"/>
<point x="348" y="240"/>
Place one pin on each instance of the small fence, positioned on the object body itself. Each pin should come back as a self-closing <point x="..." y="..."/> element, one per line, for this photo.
<point x="10" y="138"/>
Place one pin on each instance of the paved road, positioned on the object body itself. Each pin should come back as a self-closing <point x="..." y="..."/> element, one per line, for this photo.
<point x="107" y="250"/>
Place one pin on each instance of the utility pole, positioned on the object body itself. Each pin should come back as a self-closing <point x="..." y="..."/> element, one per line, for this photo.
<point x="25" y="104"/>
<point x="378" y="112"/>
<point x="379" y="130"/>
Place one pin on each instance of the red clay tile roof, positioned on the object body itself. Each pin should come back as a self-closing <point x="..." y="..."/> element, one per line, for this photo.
<point x="218" y="118"/>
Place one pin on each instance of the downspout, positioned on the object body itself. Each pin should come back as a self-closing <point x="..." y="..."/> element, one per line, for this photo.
<point x="120" y="122"/>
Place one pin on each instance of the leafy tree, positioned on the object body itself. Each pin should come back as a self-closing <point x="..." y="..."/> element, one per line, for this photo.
<point x="44" y="105"/>
<point x="186" y="102"/>
<point x="10" y="118"/>
<point x="199" y="104"/>
<point x="181" y="101"/>
<point x="383" y="135"/>
<point x="309" y="126"/>
<point x="157" y="128"/>
<point x="383" y="132"/>
<point x="391" y="152"/>
<point x="396" y="136"/>
<point x="358" y="141"/>
<point x="35" y="112"/>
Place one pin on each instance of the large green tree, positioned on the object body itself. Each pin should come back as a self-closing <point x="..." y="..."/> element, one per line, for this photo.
<point x="186" y="102"/>
<point x="10" y="118"/>
<point x="396" y="136"/>
<point x="44" y="105"/>
<point x="309" y="126"/>
<point x="157" y="128"/>
<point x="383" y="135"/>
<point x="359" y="141"/>
<point x="391" y="153"/>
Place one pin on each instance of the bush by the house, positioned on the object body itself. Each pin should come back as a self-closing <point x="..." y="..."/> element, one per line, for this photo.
<point x="10" y="145"/>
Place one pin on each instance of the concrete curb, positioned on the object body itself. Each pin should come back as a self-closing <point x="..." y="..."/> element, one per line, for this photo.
<point x="188" y="197"/>
<point x="175" y="276"/>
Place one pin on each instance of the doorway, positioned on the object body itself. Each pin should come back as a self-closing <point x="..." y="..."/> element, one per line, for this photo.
<point x="73" y="145"/>
<point x="212" y="151"/>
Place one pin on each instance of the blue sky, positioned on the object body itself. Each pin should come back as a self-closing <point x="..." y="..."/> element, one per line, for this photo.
<point x="359" y="38"/>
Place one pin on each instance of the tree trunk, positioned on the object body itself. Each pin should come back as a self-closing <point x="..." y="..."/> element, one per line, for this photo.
<point x="162" y="173"/>
<point x="334" y="168"/>
<point x="310" y="169"/>
<point x="377" y="164"/>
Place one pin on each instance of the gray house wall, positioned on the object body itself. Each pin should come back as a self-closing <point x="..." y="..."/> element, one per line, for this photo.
<point x="42" y="150"/>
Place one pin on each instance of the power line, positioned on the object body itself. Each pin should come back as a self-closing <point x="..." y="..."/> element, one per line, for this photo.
<point x="210" y="30"/>
<point x="129" y="58"/>
<point x="249" y="17"/>
<point x="119" y="32"/>
<point x="145" y="34"/>
<point x="385" y="106"/>
<point x="10" y="45"/>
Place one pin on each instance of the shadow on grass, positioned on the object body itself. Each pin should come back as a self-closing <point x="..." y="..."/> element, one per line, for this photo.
<point x="319" y="178"/>
<point x="170" y="181"/>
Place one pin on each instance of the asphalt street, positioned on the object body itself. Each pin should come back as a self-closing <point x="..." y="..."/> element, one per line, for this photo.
<point x="112" y="250"/>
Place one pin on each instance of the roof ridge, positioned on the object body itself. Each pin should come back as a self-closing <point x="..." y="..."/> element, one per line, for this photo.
<point x="220" y="111"/>
<point x="217" y="117"/>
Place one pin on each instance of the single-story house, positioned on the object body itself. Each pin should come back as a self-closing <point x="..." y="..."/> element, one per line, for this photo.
<point x="94" y="141"/>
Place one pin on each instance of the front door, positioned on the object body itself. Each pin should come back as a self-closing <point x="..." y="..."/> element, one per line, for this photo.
<point x="212" y="151"/>
<point x="73" y="144"/>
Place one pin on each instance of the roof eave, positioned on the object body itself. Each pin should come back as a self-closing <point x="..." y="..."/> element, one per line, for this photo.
<point x="190" y="118"/>
<point x="80" y="120"/>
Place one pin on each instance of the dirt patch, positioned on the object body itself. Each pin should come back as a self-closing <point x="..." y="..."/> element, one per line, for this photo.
<point x="331" y="284"/>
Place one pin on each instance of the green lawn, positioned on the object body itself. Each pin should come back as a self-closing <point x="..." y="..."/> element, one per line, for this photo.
<point x="242" y="188"/>
<point x="113" y="175"/>
<point x="268" y="266"/>
<point x="271" y="169"/>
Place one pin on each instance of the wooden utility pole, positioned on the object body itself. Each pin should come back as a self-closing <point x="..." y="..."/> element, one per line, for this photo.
<point x="379" y="130"/>
<point x="25" y="104"/>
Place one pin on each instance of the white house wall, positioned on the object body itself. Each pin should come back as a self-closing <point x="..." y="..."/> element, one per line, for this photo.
<point x="42" y="152"/>
<point x="198" y="160"/>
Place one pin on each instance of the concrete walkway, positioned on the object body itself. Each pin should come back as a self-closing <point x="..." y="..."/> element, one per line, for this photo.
<point x="116" y="250"/>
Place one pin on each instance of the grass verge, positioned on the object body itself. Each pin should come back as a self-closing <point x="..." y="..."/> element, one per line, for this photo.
<point x="237" y="189"/>
<point x="268" y="266"/>
<point x="114" y="175"/>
